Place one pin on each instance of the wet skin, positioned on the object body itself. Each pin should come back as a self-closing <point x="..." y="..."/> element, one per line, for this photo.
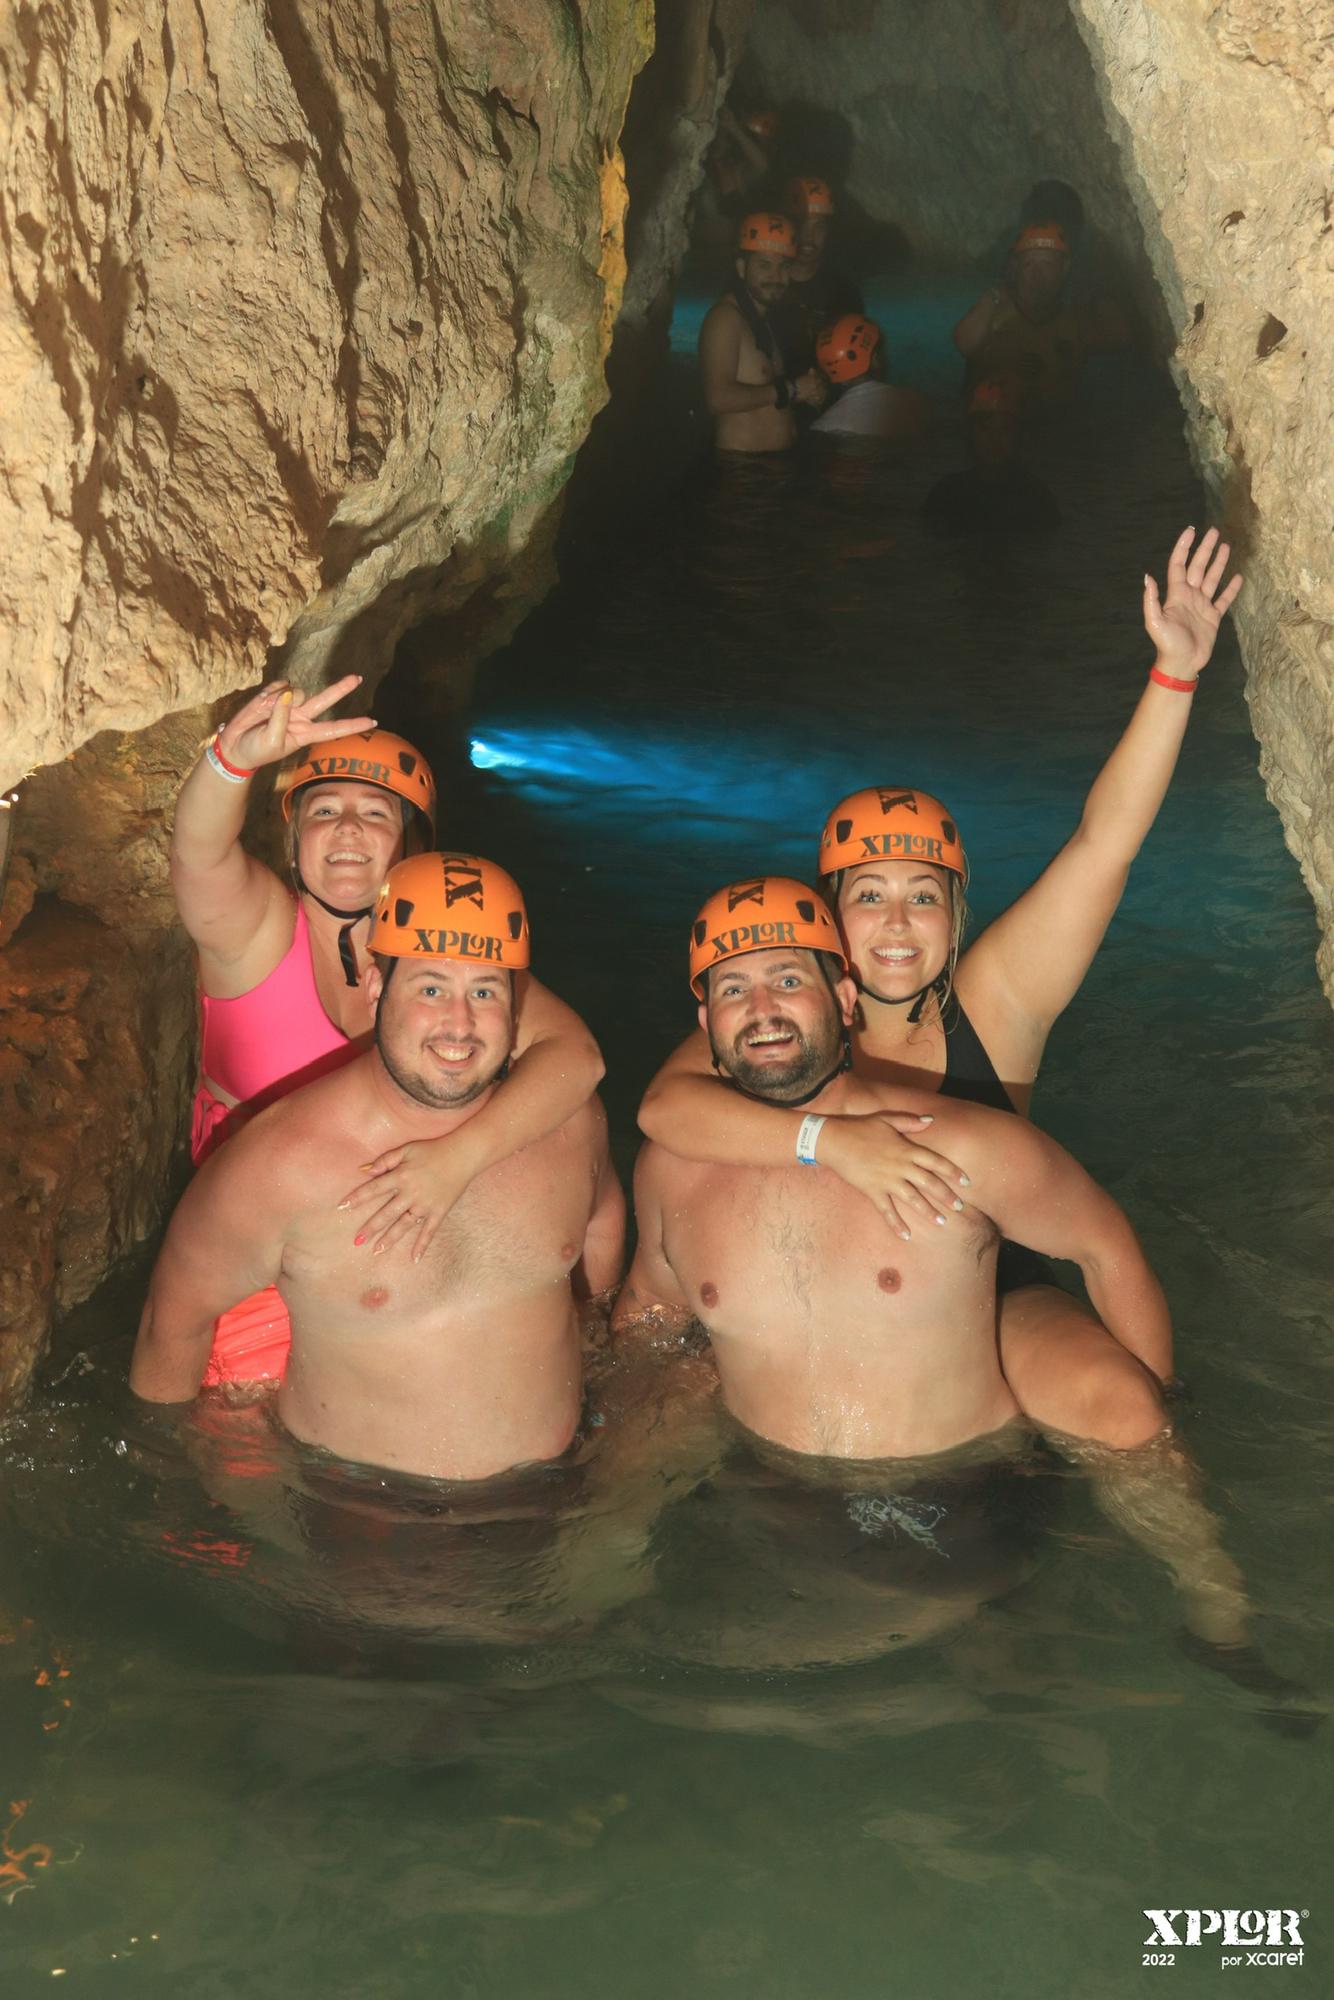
<point x="832" y="1336"/>
<point x="732" y="361"/>
<point x="456" y="1366"/>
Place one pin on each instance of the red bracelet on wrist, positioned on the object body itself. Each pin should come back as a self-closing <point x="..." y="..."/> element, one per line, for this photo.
<point x="1169" y="681"/>
<point x="233" y="770"/>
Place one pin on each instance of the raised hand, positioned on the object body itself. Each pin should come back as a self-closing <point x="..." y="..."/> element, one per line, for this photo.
<point x="1185" y="625"/>
<point x="274" y="723"/>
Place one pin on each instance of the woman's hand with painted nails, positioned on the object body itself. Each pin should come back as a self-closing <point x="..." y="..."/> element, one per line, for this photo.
<point x="1185" y="625"/>
<point x="406" y="1195"/>
<point x="881" y="1156"/>
<point x="276" y="722"/>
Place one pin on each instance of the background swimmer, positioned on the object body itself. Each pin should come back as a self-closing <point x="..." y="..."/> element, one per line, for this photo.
<point x="747" y="391"/>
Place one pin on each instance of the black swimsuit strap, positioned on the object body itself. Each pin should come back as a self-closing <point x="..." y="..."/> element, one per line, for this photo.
<point x="970" y="1073"/>
<point x="760" y="328"/>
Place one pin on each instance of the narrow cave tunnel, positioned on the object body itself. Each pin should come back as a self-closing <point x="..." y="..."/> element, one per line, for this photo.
<point x="365" y="340"/>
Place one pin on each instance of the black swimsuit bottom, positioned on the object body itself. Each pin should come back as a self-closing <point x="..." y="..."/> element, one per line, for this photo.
<point x="971" y="1076"/>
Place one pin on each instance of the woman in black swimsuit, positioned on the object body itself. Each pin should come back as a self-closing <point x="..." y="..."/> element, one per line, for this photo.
<point x="974" y="1023"/>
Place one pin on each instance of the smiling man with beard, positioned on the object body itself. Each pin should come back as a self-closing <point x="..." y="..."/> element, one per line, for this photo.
<point x="832" y="1335"/>
<point x="464" y="1362"/>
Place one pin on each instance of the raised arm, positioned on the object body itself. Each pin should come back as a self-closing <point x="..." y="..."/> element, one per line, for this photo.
<point x="556" y="1067"/>
<point x="227" y="900"/>
<point x="1030" y="963"/>
<point x="1038" y="1194"/>
<point x="690" y="1111"/>
<point x="224" y="1243"/>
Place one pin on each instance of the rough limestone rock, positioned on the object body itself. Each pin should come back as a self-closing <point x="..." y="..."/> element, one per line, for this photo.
<point x="1222" y="118"/>
<point x="302" y="320"/>
<point x="1200" y="138"/>
<point x="301" y="305"/>
<point x="96" y="1039"/>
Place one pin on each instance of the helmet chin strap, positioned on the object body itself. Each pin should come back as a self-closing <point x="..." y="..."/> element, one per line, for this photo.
<point x="917" y="1001"/>
<point x="347" y="958"/>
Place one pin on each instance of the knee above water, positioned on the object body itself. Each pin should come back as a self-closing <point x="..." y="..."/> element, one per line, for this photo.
<point x="1123" y="1404"/>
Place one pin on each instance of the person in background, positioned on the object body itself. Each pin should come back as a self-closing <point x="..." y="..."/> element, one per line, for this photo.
<point x="996" y="495"/>
<point x="1026" y="328"/>
<point x="736" y="168"/>
<point x="746" y="390"/>
<point x="852" y="359"/>
<point x="818" y="292"/>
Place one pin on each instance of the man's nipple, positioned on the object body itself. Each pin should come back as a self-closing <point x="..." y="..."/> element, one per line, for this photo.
<point x="888" y="1280"/>
<point x="708" y="1295"/>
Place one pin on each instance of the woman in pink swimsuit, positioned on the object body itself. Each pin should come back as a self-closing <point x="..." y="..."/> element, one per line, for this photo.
<point x="280" y="973"/>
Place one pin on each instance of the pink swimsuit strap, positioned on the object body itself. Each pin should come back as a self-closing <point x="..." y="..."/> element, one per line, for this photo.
<point x="263" y="1043"/>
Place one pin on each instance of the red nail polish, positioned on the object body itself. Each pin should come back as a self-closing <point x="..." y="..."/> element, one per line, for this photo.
<point x="357" y="1241"/>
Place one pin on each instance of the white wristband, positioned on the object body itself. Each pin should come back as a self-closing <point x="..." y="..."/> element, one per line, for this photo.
<point x="807" y="1134"/>
<point x="215" y="763"/>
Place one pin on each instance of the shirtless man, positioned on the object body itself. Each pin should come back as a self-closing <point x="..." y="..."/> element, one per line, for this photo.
<point x="831" y="1336"/>
<point x="465" y="1363"/>
<point x="837" y="1339"/>
<point x="745" y="389"/>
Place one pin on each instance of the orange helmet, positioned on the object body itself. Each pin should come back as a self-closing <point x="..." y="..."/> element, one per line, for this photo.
<point x="806" y="196"/>
<point x="885" y="823"/>
<point x="373" y="757"/>
<point x="767" y="236"/>
<point x="1042" y="236"/>
<point x="451" y="906"/>
<point x="762" y="124"/>
<point x="847" y="349"/>
<point x="760" y="915"/>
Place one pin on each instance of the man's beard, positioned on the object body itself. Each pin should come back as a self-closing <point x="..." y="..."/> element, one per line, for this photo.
<point x="436" y="1093"/>
<point x="811" y="1062"/>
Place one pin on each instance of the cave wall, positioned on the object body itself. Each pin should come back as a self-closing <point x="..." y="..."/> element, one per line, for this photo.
<point x="1199" y="137"/>
<point x="953" y="107"/>
<point x="302" y="306"/>
<point x="1221" y="117"/>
